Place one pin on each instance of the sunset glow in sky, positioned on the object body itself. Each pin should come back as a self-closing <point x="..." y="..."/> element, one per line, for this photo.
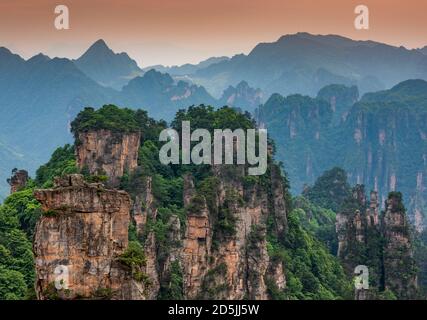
<point x="186" y="31"/>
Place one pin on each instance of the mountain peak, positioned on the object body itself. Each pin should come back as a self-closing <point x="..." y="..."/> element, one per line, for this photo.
<point x="100" y="43"/>
<point x="5" y="51"/>
<point x="106" y="67"/>
<point x="99" y="47"/>
<point x="7" y="57"/>
<point x="38" y="58"/>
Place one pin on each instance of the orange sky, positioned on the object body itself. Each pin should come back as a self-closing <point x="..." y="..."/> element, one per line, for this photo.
<point x="180" y="31"/>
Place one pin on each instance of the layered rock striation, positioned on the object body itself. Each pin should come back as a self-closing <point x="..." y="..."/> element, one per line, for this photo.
<point x="109" y="153"/>
<point x="79" y="241"/>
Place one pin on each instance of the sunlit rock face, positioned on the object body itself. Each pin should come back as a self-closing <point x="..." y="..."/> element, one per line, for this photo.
<point x="103" y="152"/>
<point x="79" y="238"/>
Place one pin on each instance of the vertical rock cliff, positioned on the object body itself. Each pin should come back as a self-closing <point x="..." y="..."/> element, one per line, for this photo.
<point x="225" y="248"/>
<point x="380" y="242"/>
<point x="105" y="152"/>
<point x="81" y="238"/>
<point x="399" y="265"/>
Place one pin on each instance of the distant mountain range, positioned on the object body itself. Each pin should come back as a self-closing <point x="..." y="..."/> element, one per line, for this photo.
<point x="161" y="94"/>
<point x="187" y="68"/>
<point x="41" y="95"/>
<point x="304" y="63"/>
<point x="423" y="50"/>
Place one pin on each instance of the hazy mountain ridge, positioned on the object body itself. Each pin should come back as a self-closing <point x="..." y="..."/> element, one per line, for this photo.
<point x="39" y="97"/>
<point x="423" y="50"/>
<point x="242" y="96"/>
<point x="304" y="63"/>
<point x="187" y="68"/>
<point x="107" y="68"/>
<point x="162" y="95"/>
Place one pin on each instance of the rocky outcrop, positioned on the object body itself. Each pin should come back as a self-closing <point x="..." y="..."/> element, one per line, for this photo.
<point x="380" y="242"/>
<point x="352" y="224"/>
<point x="279" y="206"/>
<point x="80" y="239"/>
<point x="104" y="152"/>
<point x="143" y="205"/>
<point x="18" y="180"/>
<point x="225" y="248"/>
<point x="197" y="240"/>
<point x="399" y="264"/>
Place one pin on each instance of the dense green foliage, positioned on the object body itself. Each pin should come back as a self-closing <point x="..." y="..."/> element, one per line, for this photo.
<point x="108" y="117"/>
<point x="172" y="290"/>
<point x="311" y="271"/>
<point x="16" y="257"/>
<point x="318" y="220"/>
<point x="18" y="216"/>
<point x="62" y="161"/>
<point x="330" y="190"/>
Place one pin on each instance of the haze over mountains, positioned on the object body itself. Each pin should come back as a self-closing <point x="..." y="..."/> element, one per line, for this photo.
<point x="41" y="95"/>
<point x="107" y="68"/>
<point x="187" y="68"/>
<point x="304" y="63"/>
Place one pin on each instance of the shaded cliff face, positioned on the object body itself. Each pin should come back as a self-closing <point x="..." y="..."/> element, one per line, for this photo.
<point x="398" y="250"/>
<point x="357" y="225"/>
<point x="340" y="98"/>
<point x="387" y="152"/>
<point x="104" y="152"/>
<point x="84" y="231"/>
<point x="299" y="125"/>
<point x="380" y="242"/>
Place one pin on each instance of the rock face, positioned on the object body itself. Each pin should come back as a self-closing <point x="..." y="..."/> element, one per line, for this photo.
<point x="143" y="205"/>
<point x="352" y="226"/>
<point x="398" y="253"/>
<point x="224" y="250"/>
<point x="104" y="152"/>
<point x="18" y="180"/>
<point x="380" y="242"/>
<point x="83" y="233"/>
